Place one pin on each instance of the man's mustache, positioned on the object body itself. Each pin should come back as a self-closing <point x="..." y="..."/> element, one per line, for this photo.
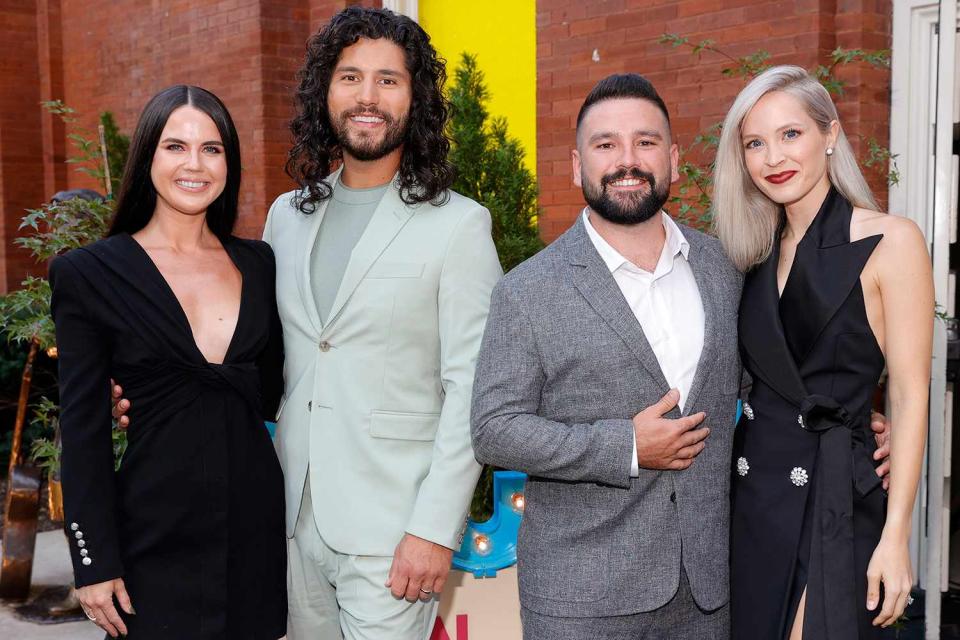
<point x="634" y="172"/>
<point x="366" y="111"/>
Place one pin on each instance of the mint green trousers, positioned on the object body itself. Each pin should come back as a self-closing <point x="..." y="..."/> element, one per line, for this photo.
<point x="335" y="596"/>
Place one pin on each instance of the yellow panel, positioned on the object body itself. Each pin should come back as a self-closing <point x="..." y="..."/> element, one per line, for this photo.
<point x="503" y="36"/>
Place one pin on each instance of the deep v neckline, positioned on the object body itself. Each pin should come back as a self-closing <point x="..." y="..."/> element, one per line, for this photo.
<point x="796" y="251"/>
<point x="184" y="318"/>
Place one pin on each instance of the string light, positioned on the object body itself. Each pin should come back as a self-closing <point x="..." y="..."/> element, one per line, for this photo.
<point x="482" y="544"/>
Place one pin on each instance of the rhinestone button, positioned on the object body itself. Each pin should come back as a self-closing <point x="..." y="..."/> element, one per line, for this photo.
<point x="743" y="467"/>
<point x="74" y="526"/>
<point x="87" y="562"/>
<point x="81" y="543"/>
<point x="78" y="535"/>
<point x="748" y="411"/>
<point x="801" y="422"/>
<point x="84" y="553"/>
<point x="798" y="476"/>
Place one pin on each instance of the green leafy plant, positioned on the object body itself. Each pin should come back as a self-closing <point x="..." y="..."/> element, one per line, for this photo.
<point x="50" y="230"/>
<point x="44" y="451"/>
<point x="491" y="170"/>
<point x="89" y="156"/>
<point x="490" y="167"/>
<point x="693" y="198"/>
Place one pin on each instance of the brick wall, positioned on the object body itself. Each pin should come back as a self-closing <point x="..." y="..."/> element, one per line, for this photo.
<point x="625" y="34"/>
<point x="219" y="45"/>
<point x="113" y="55"/>
<point x="21" y="148"/>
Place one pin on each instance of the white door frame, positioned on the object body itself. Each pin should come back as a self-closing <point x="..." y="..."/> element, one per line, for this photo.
<point x="923" y="94"/>
<point x="408" y="8"/>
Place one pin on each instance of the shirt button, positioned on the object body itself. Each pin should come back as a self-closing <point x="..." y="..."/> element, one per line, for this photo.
<point x="324" y="346"/>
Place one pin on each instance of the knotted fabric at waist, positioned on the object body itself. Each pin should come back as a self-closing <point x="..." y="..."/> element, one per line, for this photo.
<point x="843" y="463"/>
<point x="823" y="414"/>
<point x="164" y="387"/>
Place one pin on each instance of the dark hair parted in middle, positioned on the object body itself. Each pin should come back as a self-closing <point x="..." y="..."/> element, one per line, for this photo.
<point x="137" y="198"/>
<point x="622" y="85"/>
<point x="425" y="174"/>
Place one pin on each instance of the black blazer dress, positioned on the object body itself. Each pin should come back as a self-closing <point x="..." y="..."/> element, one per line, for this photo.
<point x="193" y="519"/>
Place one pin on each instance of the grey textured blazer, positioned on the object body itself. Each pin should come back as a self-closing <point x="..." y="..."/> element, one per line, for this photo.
<point x="563" y="368"/>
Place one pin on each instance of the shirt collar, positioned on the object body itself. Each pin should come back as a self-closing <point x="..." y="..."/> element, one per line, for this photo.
<point x="675" y="242"/>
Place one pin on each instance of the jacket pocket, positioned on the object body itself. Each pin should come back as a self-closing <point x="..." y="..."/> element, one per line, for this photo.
<point x="395" y="270"/>
<point x="404" y="426"/>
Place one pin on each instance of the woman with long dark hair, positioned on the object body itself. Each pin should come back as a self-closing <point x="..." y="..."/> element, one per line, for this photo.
<point x="835" y="292"/>
<point x="186" y="538"/>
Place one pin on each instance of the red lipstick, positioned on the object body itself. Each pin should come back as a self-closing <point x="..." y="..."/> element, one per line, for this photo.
<point x="780" y="178"/>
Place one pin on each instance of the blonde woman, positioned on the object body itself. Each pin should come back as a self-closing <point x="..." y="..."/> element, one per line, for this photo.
<point x="835" y="291"/>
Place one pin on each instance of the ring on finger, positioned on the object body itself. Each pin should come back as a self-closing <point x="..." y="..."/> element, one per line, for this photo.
<point x="89" y="615"/>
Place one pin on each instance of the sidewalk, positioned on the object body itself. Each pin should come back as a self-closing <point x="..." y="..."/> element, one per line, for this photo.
<point x="51" y="567"/>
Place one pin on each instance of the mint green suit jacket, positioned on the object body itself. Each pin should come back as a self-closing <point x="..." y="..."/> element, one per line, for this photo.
<point x="377" y="401"/>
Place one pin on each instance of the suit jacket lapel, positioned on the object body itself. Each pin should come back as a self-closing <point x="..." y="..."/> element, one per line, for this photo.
<point x="762" y="339"/>
<point x="826" y="268"/>
<point x="304" y="257"/>
<point x="388" y="219"/>
<point x="595" y="283"/>
<point x="700" y="259"/>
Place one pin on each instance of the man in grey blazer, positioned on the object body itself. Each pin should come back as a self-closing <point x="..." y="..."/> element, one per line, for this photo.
<point x="609" y="373"/>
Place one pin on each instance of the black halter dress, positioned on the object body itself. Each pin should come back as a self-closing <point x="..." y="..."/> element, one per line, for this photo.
<point x="807" y="506"/>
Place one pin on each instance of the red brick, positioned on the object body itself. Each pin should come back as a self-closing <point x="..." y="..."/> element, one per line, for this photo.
<point x="799" y="32"/>
<point x="593" y="25"/>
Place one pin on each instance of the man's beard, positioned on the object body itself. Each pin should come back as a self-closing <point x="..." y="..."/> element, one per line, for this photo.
<point x="638" y="206"/>
<point x="367" y="148"/>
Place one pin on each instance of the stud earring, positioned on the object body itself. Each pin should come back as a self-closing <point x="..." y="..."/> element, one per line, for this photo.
<point x="829" y="151"/>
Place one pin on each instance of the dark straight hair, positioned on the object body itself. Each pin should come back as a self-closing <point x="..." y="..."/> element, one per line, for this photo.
<point x="138" y="197"/>
<point x="622" y="85"/>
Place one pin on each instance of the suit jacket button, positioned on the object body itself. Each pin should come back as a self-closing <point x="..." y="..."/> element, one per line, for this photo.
<point x="310" y="406"/>
<point x="673" y="496"/>
<point x="87" y="562"/>
<point x="324" y="346"/>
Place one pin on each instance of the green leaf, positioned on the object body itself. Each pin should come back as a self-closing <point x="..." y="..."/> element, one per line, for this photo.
<point x="673" y="39"/>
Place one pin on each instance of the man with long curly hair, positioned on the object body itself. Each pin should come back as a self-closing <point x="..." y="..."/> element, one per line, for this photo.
<point x="384" y="278"/>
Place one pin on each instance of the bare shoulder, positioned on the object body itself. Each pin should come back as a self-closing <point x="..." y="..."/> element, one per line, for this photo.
<point x="901" y="235"/>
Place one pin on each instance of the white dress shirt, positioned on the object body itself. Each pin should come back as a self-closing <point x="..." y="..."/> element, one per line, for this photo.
<point x="666" y="303"/>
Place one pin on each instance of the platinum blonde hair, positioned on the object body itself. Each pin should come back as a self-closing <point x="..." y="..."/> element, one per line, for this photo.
<point x="744" y="218"/>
